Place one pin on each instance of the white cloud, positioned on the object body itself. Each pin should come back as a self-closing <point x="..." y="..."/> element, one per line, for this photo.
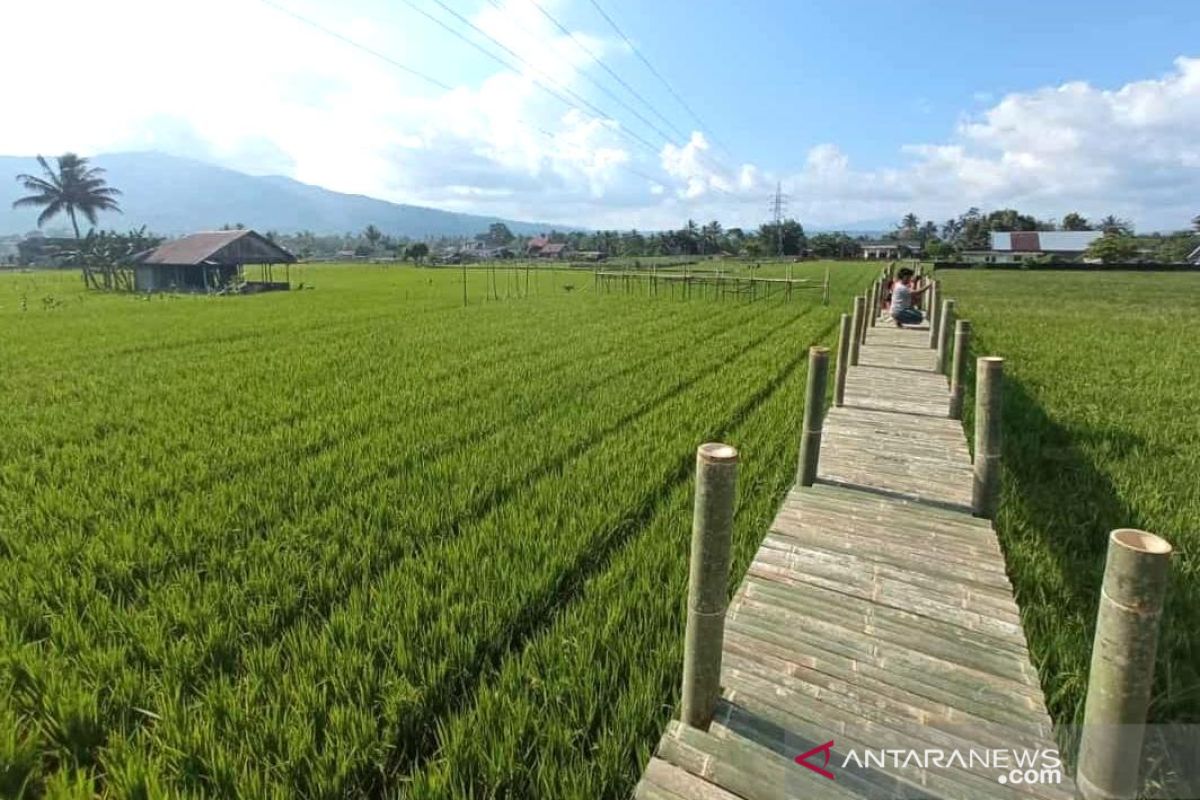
<point x="241" y="84"/>
<point x="1131" y="151"/>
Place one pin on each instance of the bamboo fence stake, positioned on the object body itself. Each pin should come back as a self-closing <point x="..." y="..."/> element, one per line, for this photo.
<point x="814" y="414"/>
<point x="985" y="489"/>
<point x="843" y="356"/>
<point x="1122" y="670"/>
<point x="859" y="308"/>
<point x="958" y="371"/>
<point x="932" y="312"/>
<point x="708" y="579"/>
<point x="945" y="321"/>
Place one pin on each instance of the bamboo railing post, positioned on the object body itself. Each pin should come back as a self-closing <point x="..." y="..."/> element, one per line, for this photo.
<point x="932" y="312"/>
<point x="708" y="579"/>
<point x="859" y="307"/>
<point x="862" y="322"/>
<point x="985" y="489"/>
<point x="1122" y="670"/>
<point x="814" y="415"/>
<point x="843" y="357"/>
<point x="958" y="371"/>
<point x="873" y="311"/>
<point x="945" y="321"/>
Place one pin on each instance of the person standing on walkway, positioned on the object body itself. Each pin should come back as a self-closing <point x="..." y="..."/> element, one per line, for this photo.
<point x="904" y="295"/>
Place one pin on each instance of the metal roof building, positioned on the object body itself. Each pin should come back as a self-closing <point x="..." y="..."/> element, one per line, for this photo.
<point x="1043" y="241"/>
<point x="210" y="261"/>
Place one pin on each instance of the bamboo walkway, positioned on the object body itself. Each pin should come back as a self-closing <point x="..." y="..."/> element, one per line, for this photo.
<point x="876" y="616"/>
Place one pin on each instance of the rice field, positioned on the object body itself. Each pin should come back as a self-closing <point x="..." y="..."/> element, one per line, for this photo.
<point x="1100" y="432"/>
<point x="361" y="540"/>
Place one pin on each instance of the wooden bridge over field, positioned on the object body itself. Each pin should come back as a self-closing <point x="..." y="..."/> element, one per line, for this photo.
<point x="874" y="648"/>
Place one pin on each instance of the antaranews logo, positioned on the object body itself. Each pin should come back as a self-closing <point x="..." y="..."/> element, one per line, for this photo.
<point x="826" y="748"/>
<point x="1030" y="766"/>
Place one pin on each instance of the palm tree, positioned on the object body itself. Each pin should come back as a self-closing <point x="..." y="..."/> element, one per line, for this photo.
<point x="1115" y="225"/>
<point x="74" y="188"/>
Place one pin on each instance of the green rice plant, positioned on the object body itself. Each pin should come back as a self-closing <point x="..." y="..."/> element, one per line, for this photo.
<point x="287" y="545"/>
<point x="1099" y="433"/>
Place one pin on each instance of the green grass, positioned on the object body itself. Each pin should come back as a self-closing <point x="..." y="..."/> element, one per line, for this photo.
<point x="361" y="540"/>
<point x="1100" y="432"/>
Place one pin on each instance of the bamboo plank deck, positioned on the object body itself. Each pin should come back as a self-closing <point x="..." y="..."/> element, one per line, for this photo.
<point x="877" y="615"/>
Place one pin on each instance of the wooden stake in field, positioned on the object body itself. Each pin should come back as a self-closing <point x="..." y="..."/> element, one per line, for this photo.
<point x="945" y="321"/>
<point x="958" y="371"/>
<point x="989" y="386"/>
<point x="708" y="580"/>
<point x="1122" y="671"/>
<point x="814" y="414"/>
<point x="855" y="338"/>
<point x="843" y="358"/>
<point x="825" y="289"/>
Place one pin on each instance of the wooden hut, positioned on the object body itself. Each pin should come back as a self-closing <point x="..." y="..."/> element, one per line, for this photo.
<point x="212" y="261"/>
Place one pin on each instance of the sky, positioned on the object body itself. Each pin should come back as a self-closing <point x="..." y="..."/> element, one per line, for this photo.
<point x="860" y="110"/>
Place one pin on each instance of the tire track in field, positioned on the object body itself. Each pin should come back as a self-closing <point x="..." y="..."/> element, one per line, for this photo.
<point x="453" y="694"/>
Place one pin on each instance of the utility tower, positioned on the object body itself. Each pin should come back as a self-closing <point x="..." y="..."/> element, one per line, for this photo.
<point x="778" y="206"/>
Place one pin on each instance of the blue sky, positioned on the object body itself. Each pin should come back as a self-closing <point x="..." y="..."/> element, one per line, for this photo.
<point x="862" y="110"/>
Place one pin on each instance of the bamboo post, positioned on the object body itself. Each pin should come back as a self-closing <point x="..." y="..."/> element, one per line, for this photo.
<point x="814" y="414"/>
<point x="945" y="321"/>
<point x="843" y="356"/>
<point x="985" y="489"/>
<point x="958" y="371"/>
<point x="1122" y="671"/>
<point x="825" y="289"/>
<point x="933" y="312"/>
<point x="873" y="311"/>
<point x="708" y="579"/>
<point x="859" y="307"/>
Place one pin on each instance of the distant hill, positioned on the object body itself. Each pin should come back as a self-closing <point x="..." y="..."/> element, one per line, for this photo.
<point x="171" y="195"/>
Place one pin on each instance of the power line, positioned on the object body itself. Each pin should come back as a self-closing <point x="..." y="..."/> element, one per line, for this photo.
<point x="357" y="45"/>
<point x="596" y="112"/>
<point x="658" y="75"/>
<point x="430" y="79"/>
<point x="588" y="51"/>
<point x="715" y="164"/>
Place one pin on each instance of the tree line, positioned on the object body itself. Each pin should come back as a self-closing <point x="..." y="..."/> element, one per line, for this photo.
<point x="74" y="188"/>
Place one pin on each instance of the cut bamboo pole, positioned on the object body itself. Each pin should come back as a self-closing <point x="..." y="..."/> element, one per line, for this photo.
<point x="985" y="489"/>
<point x="814" y="415"/>
<point x="873" y="305"/>
<point x="1122" y="671"/>
<point x="958" y="371"/>
<point x="843" y="357"/>
<point x="708" y="579"/>
<point x="932" y="312"/>
<point x="856" y="325"/>
<point x="945" y="325"/>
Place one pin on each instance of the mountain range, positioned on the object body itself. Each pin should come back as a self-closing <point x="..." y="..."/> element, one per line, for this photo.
<point x="172" y="195"/>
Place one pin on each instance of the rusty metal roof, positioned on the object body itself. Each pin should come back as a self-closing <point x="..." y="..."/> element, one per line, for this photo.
<point x="226" y="248"/>
<point x="1043" y="241"/>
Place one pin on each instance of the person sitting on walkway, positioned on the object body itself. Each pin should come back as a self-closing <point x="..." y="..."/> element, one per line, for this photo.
<point x="904" y="294"/>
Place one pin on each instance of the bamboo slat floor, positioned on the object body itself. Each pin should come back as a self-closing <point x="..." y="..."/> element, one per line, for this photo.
<point x="876" y="624"/>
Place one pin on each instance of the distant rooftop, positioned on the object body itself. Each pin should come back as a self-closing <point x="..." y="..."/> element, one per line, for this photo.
<point x="1044" y="241"/>
<point x="218" y="247"/>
